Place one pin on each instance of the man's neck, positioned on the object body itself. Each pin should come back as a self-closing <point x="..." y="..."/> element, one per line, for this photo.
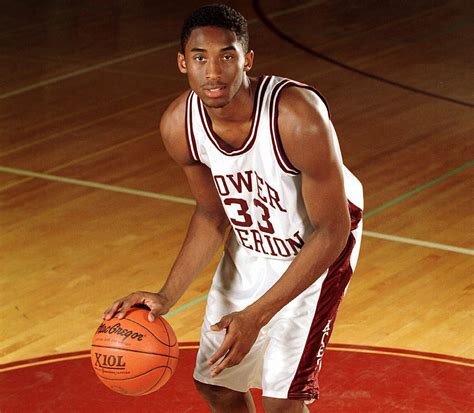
<point x="240" y="108"/>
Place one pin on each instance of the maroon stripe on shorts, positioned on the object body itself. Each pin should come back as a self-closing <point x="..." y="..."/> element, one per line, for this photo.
<point x="305" y="384"/>
<point x="356" y="215"/>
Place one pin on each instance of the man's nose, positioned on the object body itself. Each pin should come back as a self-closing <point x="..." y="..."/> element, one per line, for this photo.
<point x="213" y="69"/>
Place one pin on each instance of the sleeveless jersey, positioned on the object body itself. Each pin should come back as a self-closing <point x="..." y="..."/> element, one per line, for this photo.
<point x="259" y="187"/>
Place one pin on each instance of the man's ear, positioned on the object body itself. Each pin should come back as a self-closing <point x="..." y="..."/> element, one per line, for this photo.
<point x="182" y="63"/>
<point x="248" y="63"/>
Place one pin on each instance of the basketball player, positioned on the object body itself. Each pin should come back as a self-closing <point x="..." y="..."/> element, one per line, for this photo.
<point x="261" y="155"/>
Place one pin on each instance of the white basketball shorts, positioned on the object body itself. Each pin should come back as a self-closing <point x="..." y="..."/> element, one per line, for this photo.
<point x="286" y="357"/>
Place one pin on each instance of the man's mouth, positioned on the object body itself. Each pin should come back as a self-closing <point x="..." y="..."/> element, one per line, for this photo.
<point x="214" y="92"/>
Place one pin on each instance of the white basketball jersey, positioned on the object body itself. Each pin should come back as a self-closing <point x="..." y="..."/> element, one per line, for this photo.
<point x="260" y="189"/>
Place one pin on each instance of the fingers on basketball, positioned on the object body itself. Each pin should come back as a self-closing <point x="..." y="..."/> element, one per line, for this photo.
<point x="110" y="312"/>
<point x="133" y="356"/>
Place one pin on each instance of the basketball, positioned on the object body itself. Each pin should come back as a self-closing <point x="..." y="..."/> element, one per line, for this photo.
<point x="134" y="356"/>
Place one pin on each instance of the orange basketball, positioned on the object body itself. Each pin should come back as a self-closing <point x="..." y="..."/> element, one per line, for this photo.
<point x="133" y="356"/>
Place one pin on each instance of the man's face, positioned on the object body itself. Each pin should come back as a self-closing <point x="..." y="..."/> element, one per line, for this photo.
<point x="215" y="63"/>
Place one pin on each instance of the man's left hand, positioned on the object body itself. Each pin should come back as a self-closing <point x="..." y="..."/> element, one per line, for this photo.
<point x="241" y="333"/>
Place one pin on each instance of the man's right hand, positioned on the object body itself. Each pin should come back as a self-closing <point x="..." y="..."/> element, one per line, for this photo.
<point x="156" y="302"/>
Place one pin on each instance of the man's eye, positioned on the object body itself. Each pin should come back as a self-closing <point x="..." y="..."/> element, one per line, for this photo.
<point x="199" y="58"/>
<point x="228" y="57"/>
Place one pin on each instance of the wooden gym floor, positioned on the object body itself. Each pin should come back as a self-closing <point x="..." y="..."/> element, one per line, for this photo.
<point x="93" y="208"/>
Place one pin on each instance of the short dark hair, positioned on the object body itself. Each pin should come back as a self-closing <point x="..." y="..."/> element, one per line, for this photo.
<point x="218" y="15"/>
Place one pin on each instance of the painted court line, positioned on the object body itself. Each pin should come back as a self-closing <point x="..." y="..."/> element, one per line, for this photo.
<point x="132" y="56"/>
<point x="80" y="159"/>
<point x="292" y="9"/>
<point x="96" y="185"/>
<point x="400" y="354"/>
<point x="419" y="243"/>
<point x="85" y="354"/>
<point x="420" y="188"/>
<point x="87" y="70"/>
<point x="85" y="125"/>
<point x="188" y="201"/>
<point x="185" y="306"/>
<point x="42" y="362"/>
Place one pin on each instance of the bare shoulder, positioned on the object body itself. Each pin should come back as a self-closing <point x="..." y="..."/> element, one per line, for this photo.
<point x="173" y="130"/>
<point x="305" y="128"/>
<point x="302" y="108"/>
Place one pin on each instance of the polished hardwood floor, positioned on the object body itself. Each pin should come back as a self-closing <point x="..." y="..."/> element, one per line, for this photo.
<point x="83" y="169"/>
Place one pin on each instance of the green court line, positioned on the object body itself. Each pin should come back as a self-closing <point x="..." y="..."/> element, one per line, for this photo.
<point x="192" y="202"/>
<point x="418" y="189"/>
<point x="366" y="215"/>
<point x="185" y="306"/>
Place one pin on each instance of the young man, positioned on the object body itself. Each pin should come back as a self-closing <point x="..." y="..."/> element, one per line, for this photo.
<point x="260" y="154"/>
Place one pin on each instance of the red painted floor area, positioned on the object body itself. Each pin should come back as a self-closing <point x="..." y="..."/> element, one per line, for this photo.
<point x="353" y="379"/>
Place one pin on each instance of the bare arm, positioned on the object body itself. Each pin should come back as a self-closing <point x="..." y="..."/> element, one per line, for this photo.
<point x="306" y="135"/>
<point x="205" y="231"/>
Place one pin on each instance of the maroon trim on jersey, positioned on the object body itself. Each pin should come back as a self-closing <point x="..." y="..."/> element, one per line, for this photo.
<point x="312" y="89"/>
<point x="278" y="149"/>
<point x="192" y="146"/>
<point x="305" y="384"/>
<point x="282" y="159"/>
<point x="251" y="137"/>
